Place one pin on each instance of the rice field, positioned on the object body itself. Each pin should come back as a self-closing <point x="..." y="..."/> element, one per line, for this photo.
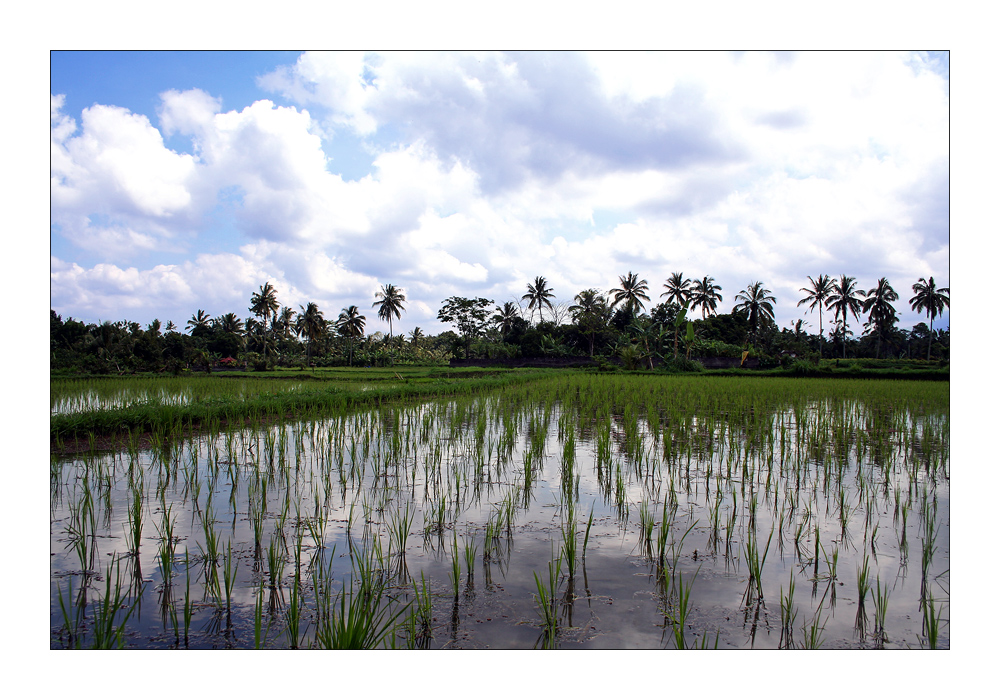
<point x="569" y="511"/>
<point x="104" y="394"/>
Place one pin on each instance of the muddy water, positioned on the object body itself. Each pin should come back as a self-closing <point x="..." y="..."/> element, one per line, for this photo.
<point x="333" y="489"/>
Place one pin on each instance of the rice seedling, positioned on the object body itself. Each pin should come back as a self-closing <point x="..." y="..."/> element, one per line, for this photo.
<point x="229" y="574"/>
<point x="881" y="601"/>
<point x="646" y="525"/>
<point x="469" y="554"/>
<point x="755" y="566"/>
<point x="812" y="631"/>
<point x="362" y="620"/>
<point x="788" y="613"/>
<point x="547" y="603"/>
<point x="730" y="527"/>
<point x="275" y="561"/>
<point x="166" y="561"/>
<point x="71" y="622"/>
<point x="831" y="563"/>
<point x="864" y="587"/>
<point x="111" y="614"/>
<point x="586" y="532"/>
<point x="422" y="631"/>
<point x="927" y="550"/>
<point x="569" y="544"/>
<point x="293" y="613"/>
<point x="904" y="546"/>
<point x="259" y="632"/>
<point x="931" y="622"/>
<point x="663" y="534"/>
<point x="210" y="555"/>
<point x="188" y="602"/>
<point x="681" y="609"/>
<point x="455" y="572"/>
<point x="399" y="530"/>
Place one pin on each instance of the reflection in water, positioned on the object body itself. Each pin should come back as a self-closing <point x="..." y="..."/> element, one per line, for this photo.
<point x="723" y="498"/>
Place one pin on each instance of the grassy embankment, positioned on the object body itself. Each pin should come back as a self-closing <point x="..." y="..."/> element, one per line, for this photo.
<point x="105" y="411"/>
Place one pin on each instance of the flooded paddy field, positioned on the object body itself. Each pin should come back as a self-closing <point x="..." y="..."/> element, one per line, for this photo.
<point x="69" y="396"/>
<point x="573" y="511"/>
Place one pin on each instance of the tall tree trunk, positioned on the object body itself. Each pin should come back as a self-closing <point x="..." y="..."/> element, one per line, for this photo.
<point x="843" y="334"/>
<point x="821" y="331"/>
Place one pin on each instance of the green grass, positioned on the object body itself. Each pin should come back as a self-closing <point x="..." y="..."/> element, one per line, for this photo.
<point x="218" y="401"/>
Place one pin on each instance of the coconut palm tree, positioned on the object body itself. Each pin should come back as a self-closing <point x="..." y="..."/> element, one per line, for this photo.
<point x="881" y="312"/>
<point x="631" y="291"/>
<point x="230" y="323"/>
<point x="284" y="322"/>
<point x="798" y="329"/>
<point x="758" y="303"/>
<point x="199" y="321"/>
<point x="931" y="299"/>
<point x="352" y="324"/>
<point x="539" y="294"/>
<point x="817" y="293"/>
<point x="705" y="293"/>
<point x="391" y="305"/>
<point x="264" y="304"/>
<point x="416" y="335"/>
<point x="505" y="317"/>
<point x="312" y="325"/>
<point x="590" y="313"/>
<point x="678" y="289"/>
<point x="845" y="298"/>
<point x="171" y="327"/>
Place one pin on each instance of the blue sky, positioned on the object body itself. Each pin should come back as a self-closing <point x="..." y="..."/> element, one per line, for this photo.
<point x="185" y="180"/>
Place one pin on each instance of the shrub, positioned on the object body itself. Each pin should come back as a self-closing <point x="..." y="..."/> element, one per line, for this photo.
<point x="715" y="348"/>
<point x="802" y="367"/>
<point x="682" y="364"/>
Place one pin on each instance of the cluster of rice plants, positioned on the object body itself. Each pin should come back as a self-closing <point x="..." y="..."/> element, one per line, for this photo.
<point x="712" y="502"/>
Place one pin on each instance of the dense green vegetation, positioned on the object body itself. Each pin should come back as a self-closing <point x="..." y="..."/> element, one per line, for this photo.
<point x="615" y="327"/>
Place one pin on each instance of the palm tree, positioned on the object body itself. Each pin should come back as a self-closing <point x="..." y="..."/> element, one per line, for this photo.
<point x="230" y="323"/>
<point x="881" y="312"/>
<point x="797" y="329"/>
<point x="391" y="304"/>
<point x="505" y="317"/>
<point x="705" y="293"/>
<point x="199" y="321"/>
<point x="285" y="321"/>
<point x="757" y="302"/>
<point x="932" y="300"/>
<point x="819" y="289"/>
<point x="263" y="304"/>
<point x="845" y="298"/>
<point x="539" y="294"/>
<point x="632" y="289"/>
<point x="590" y="313"/>
<point x="171" y="327"/>
<point x="352" y="324"/>
<point x="416" y="335"/>
<point x="678" y="289"/>
<point x="312" y="325"/>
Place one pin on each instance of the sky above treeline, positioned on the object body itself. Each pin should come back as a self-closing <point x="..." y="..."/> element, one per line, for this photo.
<point x="186" y="180"/>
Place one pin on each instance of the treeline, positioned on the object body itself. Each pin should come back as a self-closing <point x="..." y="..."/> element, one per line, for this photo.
<point x="614" y="324"/>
